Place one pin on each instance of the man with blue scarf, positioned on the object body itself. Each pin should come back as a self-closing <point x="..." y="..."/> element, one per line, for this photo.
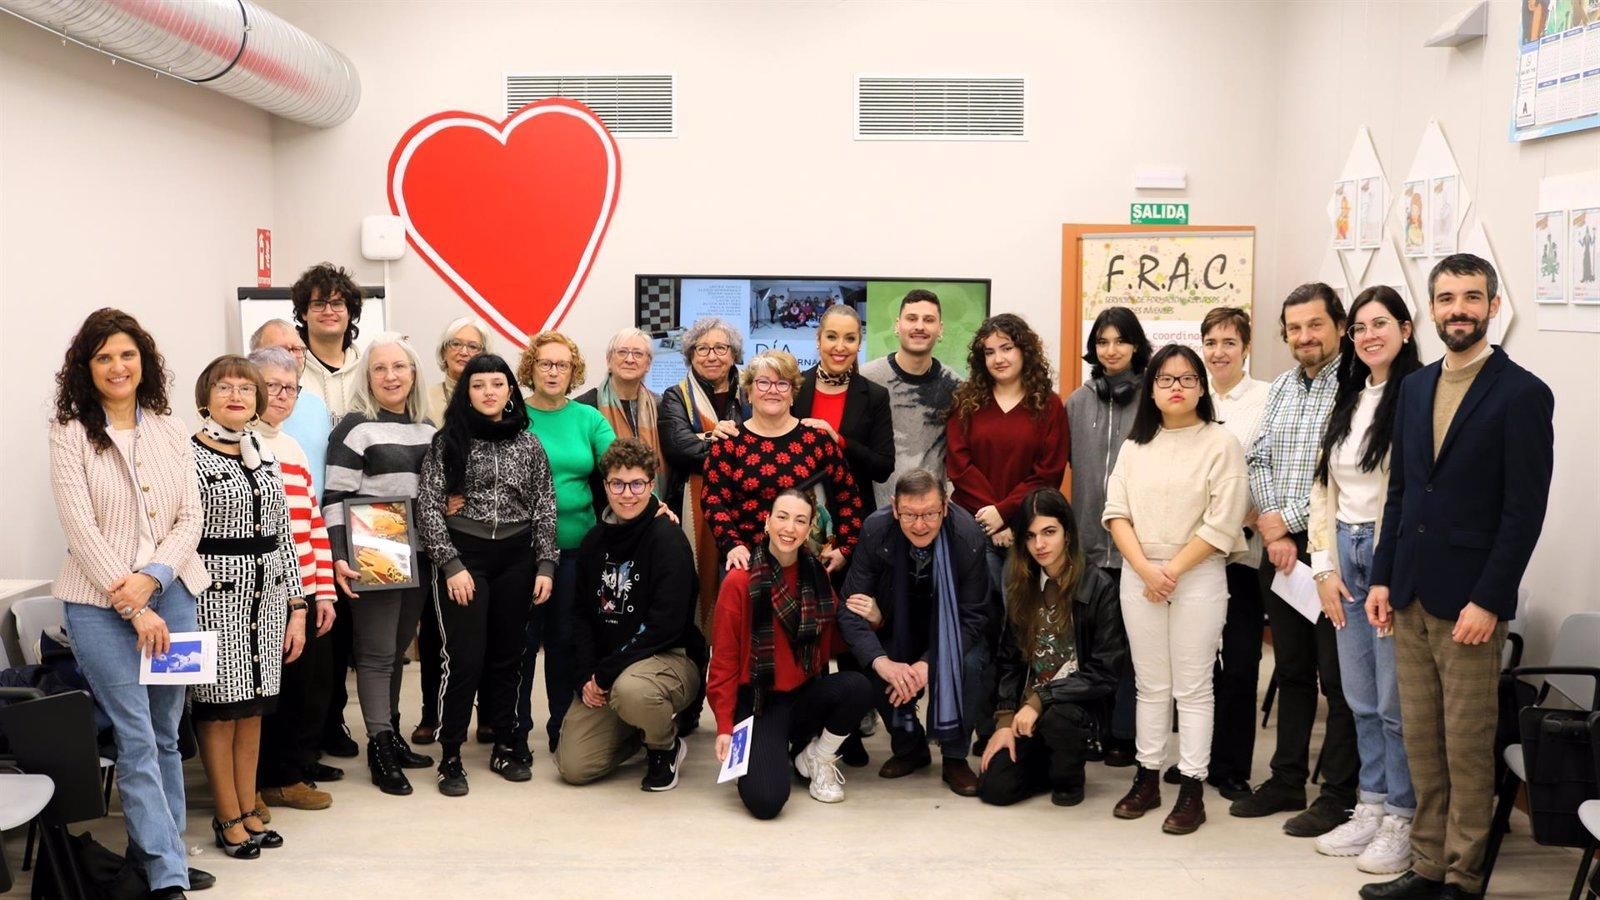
<point x="918" y="617"/>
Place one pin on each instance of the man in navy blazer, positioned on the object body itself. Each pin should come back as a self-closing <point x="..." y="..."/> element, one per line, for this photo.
<point x="1469" y="478"/>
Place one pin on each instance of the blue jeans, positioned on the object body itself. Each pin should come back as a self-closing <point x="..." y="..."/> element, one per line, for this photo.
<point x="1367" y="667"/>
<point x="550" y="627"/>
<point x="145" y="720"/>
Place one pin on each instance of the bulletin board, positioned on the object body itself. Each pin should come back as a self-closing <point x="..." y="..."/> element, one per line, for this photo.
<point x="1171" y="275"/>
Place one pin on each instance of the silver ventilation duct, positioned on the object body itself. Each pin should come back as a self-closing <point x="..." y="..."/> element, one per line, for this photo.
<point x="231" y="46"/>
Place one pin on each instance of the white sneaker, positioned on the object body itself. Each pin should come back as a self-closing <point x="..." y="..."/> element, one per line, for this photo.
<point x="1389" y="852"/>
<point x="827" y="782"/>
<point x="1353" y="836"/>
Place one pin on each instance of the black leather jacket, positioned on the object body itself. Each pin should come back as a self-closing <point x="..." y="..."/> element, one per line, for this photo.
<point x="681" y="444"/>
<point x="1102" y="648"/>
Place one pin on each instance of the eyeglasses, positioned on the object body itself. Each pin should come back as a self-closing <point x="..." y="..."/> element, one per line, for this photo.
<point x="274" y="389"/>
<point x="630" y="353"/>
<point x="927" y="517"/>
<point x="296" y="350"/>
<point x="324" y="305"/>
<point x="1188" y="381"/>
<point x="455" y="346"/>
<point x="618" y="487"/>
<point x="712" y="349"/>
<point x="234" y="390"/>
<point x="384" y="371"/>
<point x="1380" y="323"/>
<point x="770" y="386"/>
<point x="552" y="365"/>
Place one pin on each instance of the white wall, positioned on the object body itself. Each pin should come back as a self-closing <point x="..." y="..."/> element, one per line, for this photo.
<point x="115" y="189"/>
<point x="1346" y="64"/>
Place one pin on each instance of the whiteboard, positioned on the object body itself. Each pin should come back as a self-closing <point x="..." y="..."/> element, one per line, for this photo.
<point x="257" y="306"/>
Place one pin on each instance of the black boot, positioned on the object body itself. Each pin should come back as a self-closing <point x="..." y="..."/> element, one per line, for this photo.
<point x="386" y="771"/>
<point x="408" y="758"/>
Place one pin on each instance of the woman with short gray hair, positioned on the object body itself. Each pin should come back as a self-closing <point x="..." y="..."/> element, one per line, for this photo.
<point x="461" y="340"/>
<point x="624" y="401"/>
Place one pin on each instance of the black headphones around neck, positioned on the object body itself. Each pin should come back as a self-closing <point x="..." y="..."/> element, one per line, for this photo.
<point x="1121" y="393"/>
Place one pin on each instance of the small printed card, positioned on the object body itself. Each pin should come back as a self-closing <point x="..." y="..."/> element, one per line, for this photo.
<point x="191" y="660"/>
<point x="738" y="761"/>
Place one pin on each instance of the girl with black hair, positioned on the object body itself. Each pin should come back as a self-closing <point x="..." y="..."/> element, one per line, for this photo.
<point x="1347" y="497"/>
<point x="495" y="557"/>
<point x="1099" y="414"/>
<point x="1062" y="653"/>
<point x="1173" y="506"/>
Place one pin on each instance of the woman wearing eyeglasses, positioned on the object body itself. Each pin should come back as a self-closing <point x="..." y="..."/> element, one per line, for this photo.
<point x="460" y="341"/>
<point x="574" y="437"/>
<point x="772" y="452"/>
<point x="629" y="406"/>
<point x="1173" y="507"/>
<point x="493" y="556"/>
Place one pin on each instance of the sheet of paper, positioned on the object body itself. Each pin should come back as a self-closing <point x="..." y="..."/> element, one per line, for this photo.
<point x="192" y="659"/>
<point x="738" y="761"/>
<point x="1299" y="590"/>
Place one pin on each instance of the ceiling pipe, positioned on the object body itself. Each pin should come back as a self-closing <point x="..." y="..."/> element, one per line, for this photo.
<point x="231" y="46"/>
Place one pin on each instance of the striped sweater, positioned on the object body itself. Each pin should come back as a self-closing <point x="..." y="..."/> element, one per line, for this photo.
<point x="305" y="514"/>
<point x="371" y="458"/>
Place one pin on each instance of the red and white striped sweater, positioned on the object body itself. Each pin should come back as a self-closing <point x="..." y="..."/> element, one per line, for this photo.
<point x="305" y="515"/>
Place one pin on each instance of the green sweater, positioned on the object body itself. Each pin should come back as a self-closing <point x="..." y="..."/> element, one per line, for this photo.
<point x="574" y="436"/>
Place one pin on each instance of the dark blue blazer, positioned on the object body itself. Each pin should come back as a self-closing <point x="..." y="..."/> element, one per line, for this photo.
<point x="1462" y="527"/>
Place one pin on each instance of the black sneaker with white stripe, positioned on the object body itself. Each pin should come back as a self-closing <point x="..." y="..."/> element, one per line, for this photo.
<point x="452" y="777"/>
<point x="662" y="772"/>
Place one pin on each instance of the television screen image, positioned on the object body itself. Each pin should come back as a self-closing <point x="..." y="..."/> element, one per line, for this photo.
<point x="783" y="313"/>
<point x="185" y="657"/>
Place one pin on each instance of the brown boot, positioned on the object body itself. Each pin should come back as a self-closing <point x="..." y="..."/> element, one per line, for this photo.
<point x="1144" y="796"/>
<point x="1190" y="810"/>
<point x="901" y="766"/>
<point x="297" y="796"/>
<point x="958" y="774"/>
<point x="261" y="810"/>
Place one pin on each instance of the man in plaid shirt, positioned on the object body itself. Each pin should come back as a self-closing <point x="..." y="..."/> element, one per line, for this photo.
<point x="1281" y="464"/>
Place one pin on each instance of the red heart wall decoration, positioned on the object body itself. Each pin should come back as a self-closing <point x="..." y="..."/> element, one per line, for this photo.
<point x="511" y="213"/>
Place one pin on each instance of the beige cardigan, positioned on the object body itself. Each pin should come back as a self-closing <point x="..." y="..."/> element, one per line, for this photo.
<point x="99" y="509"/>
<point x="1322" y="541"/>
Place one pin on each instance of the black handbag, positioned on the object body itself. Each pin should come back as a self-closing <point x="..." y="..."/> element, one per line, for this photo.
<point x="1559" y="759"/>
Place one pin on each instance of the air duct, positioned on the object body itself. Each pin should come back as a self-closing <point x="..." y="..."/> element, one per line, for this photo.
<point x="231" y="46"/>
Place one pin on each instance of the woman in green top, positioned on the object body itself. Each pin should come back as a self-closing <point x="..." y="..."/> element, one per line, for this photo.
<point x="574" y="436"/>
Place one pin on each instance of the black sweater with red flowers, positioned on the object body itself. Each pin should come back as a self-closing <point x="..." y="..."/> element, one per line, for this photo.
<point x="745" y="473"/>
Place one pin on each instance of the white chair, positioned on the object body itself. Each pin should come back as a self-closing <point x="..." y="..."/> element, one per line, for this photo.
<point x="22" y="798"/>
<point x="34" y="616"/>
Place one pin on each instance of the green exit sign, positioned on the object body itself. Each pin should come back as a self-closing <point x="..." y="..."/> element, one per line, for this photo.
<point x="1159" y="214"/>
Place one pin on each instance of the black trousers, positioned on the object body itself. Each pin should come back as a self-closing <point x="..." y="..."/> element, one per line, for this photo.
<point x="977" y="689"/>
<point x="1121" y="706"/>
<point x="1307" y="655"/>
<point x="483" y="642"/>
<point x="788" y="721"/>
<point x="292" y="733"/>
<point x="429" y="642"/>
<point x="1233" y="739"/>
<point x="1050" y="760"/>
<point x="334" y="688"/>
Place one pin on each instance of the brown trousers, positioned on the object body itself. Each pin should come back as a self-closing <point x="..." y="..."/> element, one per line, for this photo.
<point x="639" y="710"/>
<point x="1449" y="701"/>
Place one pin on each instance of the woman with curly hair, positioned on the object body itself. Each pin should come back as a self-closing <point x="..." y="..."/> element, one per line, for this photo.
<point x="1007" y="435"/>
<point x="574" y="437"/>
<point x="122" y="471"/>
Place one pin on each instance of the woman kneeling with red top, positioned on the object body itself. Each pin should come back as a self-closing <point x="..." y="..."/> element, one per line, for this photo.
<point x="774" y="632"/>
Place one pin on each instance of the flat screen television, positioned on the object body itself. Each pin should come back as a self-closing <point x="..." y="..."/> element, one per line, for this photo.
<point x="782" y="312"/>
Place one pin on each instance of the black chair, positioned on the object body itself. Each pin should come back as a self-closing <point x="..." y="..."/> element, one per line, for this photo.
<point x="1578" y="686"/>
<point x="1589" y="811"/>
<point x="56" y="736"/>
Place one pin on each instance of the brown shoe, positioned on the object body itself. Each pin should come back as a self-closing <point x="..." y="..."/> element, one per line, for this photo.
<point x="298" y="796"/>
<point x="901" y="766"/>
<point x="1190" y="810"/>
<point x="261" y="811"/>
<point x="1144" y="796"/>
<point x="424" y="733"/>
<point x="959" y="775"/>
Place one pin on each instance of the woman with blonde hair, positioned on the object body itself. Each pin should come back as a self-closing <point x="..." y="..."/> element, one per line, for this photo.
<point x="574" y="437"/>
<point x="376" y="450"/>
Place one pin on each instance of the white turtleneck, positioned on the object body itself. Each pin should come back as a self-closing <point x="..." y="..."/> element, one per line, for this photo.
<point x="1360" y="498"/>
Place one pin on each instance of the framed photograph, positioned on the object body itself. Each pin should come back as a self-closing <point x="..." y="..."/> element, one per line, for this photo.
<point x="192" y="659"/>
<point x="1446" y="214"/>
<point x="1414" y="213"/>
<point x="1583" y="264"/>
<point x="1344" y="215"/>
<point x="382" y="542"/>
<point x="1371" y="206"/>
<point x="1550" y="256"/>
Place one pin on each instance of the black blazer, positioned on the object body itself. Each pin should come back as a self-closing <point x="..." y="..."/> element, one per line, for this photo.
<point x="1461" y="528"/>
<point x="866" y="426"/>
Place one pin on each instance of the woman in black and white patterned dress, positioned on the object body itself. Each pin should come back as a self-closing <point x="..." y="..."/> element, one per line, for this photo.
<point x="255" y="587"/>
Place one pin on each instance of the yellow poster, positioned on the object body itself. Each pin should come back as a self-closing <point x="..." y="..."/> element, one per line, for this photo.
<point x="1169" y="280"/>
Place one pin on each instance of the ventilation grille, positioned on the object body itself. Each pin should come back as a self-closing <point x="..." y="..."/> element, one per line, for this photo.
<point x="629" y="105"/>
<point x="974" y="109"/>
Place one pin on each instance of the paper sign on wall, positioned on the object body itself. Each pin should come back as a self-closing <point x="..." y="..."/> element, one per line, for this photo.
<point x="263" y="257"/>
<point x="1170" y="280"/>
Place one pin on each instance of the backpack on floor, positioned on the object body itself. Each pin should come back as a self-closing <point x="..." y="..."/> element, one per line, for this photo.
<point x="1559" y="759"/>
<point x="106" y="876"/>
